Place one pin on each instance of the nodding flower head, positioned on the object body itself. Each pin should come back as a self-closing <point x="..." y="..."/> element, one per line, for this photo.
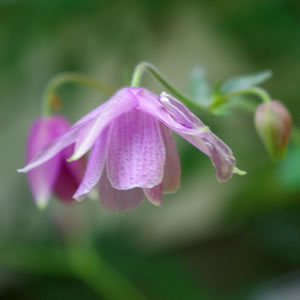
<point x="133" y="154"/>
<point x="273" y="124"/>
<point x="55" y="176"/>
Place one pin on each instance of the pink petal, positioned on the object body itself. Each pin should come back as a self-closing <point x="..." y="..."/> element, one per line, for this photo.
<point x="172" y="171"/>
<point x="220" y="154"/>
<point x="114" y="199"/>
<point x="42" y="179"/>
<point x="177" y="116"/>
<point x="95" y="165"/>
<point x="169" y="111"/>
<point x="74" y="169"/>
<point x="154" y="195"/>
<point x="51" y="150"/>
<point x="121" y="102"/>
<point x="136" y="155"/>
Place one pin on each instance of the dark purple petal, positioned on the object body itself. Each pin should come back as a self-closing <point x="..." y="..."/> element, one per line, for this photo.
<point x="66" y="184"/>
<point x="76" y="168"/>
<point x="95" y="165"/>
<point x="118" y="200"/>
<point x="136" y="155"/>
<point x="69" y="176"/>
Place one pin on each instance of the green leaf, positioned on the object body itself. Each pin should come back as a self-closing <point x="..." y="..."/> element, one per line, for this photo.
<point x="244" y="82"/>
<point x="199" y="87"/>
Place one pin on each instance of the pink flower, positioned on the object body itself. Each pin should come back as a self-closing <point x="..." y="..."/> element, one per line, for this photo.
<point x="132" y="150"/>
<point x="54" y="176"/>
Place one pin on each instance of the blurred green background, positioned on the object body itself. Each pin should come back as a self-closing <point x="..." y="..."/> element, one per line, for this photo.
<point x="239" y="240"/>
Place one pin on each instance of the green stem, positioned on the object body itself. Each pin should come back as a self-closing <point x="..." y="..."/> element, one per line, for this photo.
<point x="146" y="66"/>
<point x="84" y="262"/>
<point x="255" y="91"/>
<point x="107" y="282"/>
<point x="88" y="264"/>
<point x="64" y="78"/>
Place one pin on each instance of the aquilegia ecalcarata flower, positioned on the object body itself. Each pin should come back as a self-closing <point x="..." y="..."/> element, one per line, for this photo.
<point x="132" y="150"/>
<point x="56" y="175"/>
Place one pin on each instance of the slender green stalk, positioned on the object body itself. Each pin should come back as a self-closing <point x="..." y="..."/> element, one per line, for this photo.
<point x="84" y="262"/>
<point x="107" y="282"/>
<point x="146" y="66"/>
<point x="88" y="264"/>
<point x="255" y="91"/>
<point x="64" y="78"/>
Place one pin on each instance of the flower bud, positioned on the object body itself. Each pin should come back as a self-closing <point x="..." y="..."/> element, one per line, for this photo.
<point x="56" y="176"/>
<point x="273" y="124"/>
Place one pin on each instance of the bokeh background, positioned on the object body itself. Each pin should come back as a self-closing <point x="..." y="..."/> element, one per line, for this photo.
<point x="239" y="240"/>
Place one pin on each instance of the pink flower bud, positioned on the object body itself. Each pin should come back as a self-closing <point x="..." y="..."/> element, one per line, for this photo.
<point x="55" y="176"/>
<point x="273" y="124"/>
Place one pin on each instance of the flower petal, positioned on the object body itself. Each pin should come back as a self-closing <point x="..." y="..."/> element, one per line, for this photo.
<point x="51" y="149"/>
<point x="136" y="152"/>
<point x="69" y="177"/>
<point x="65" y="185"/>
<point x="169" y="111"/>
<point x="220" y="154"/>
<point x="95" y="166"/>
<point x="121" y="102"/>
<point x="121" y="200"/>
<point x="178" y="117"/>
<point x="76" y="168"/>
<point x="172" y="170"/>
<point x="42" y="179"/>
<point x="154" y="195"/>
<point x="179" y="112"/>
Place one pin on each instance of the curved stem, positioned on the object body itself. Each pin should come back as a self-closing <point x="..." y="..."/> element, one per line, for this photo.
<point x="255" y="91"/>
<point x="146" y="66"/>
<point x="63" y="78"/>
<point x="100" y="276"/>
<point x="84" y="262"/>
<point x="88" y="264"/>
